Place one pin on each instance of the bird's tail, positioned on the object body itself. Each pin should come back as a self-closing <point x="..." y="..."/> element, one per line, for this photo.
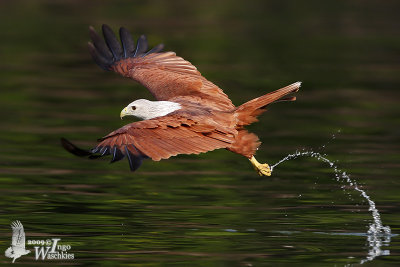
<point x="247" y="113"/>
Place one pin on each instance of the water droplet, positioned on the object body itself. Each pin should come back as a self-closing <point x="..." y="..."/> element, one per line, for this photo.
<point x="378" y="234"/>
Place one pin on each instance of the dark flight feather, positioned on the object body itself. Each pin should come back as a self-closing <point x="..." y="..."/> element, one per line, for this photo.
<point x="112" y="42"/>
<point x="100" y="44"/>
<point x="135" y="157"/>
<point x="128" y="44"/>
<point x="158" y="48"/>
<point x="117" y="154"/>
<point x="98" y="58"/>
<point x="135" y="161"/>
<point x="141" y="46"/>
<point x="106" y="53"/>
<point x="105" y="151"/>
<point x="74" y="149"/>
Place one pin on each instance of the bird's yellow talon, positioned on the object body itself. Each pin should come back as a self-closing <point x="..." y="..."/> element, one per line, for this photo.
<point x="262" y="169"/>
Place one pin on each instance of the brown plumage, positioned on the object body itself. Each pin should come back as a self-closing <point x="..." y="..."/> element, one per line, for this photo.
<point x="206" y="119"/>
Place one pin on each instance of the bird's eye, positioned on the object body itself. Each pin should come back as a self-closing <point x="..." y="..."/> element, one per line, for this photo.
<point x="133" y="107"/>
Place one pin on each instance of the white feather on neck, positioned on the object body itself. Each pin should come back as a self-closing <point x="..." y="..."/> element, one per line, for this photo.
<point x="145" y="109"/>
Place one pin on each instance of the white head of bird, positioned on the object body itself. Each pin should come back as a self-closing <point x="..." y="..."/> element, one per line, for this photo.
<point x="145" y="109"/>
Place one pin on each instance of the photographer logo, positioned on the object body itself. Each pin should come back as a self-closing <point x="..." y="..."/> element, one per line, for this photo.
<point x="49" y="249"/>
<point x="17" y="248"/>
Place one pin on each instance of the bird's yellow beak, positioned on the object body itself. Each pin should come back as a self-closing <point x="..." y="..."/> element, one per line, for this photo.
<point x="123" y="113"/>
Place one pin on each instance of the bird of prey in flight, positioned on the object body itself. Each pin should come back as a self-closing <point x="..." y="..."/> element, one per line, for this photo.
<point x="191" y="115"/>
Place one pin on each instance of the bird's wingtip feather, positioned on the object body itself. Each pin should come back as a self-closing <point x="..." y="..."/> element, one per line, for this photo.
<point x="109" y="50"/>
<point x="134" y="159"/>
<point x="74" y="149"/>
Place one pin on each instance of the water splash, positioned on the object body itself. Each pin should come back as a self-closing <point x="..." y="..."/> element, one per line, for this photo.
<point x="377" y="235"/>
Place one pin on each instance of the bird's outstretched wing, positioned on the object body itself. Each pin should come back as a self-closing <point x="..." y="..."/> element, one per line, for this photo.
<point x="166" y="75"/>
<point x="18" y="235"/>
<point x="158" y="138"/>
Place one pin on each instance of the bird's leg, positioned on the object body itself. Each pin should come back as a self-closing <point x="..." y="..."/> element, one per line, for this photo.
<point x="262" y="169"/>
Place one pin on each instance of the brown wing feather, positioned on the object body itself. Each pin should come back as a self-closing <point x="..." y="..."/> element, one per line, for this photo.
<point x="166" y="75"/>
<point x="161" y="138"/>
<point x="171" y="76"/>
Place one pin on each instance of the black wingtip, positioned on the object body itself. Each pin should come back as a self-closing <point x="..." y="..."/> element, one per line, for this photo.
<point x="112" y="42"/>
<point x="74" y="149"/>
<point x="135" y="159"/>
<point x="141" y="46"/>
<point x="117" y="155"/>
<point x="158" y="48"/>
<point x="127" y="41"/>
<point x="98" y="58"/>
<point x="108" y="50"/>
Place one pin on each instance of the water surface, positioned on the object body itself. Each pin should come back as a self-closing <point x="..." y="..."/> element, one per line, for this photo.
<point x="210" y="209"/>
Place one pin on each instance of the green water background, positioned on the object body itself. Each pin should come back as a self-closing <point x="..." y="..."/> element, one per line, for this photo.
<point x="211" y="209"/>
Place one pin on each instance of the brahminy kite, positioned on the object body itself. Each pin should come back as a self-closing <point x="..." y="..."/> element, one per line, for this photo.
<point x="191" y="115"/>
